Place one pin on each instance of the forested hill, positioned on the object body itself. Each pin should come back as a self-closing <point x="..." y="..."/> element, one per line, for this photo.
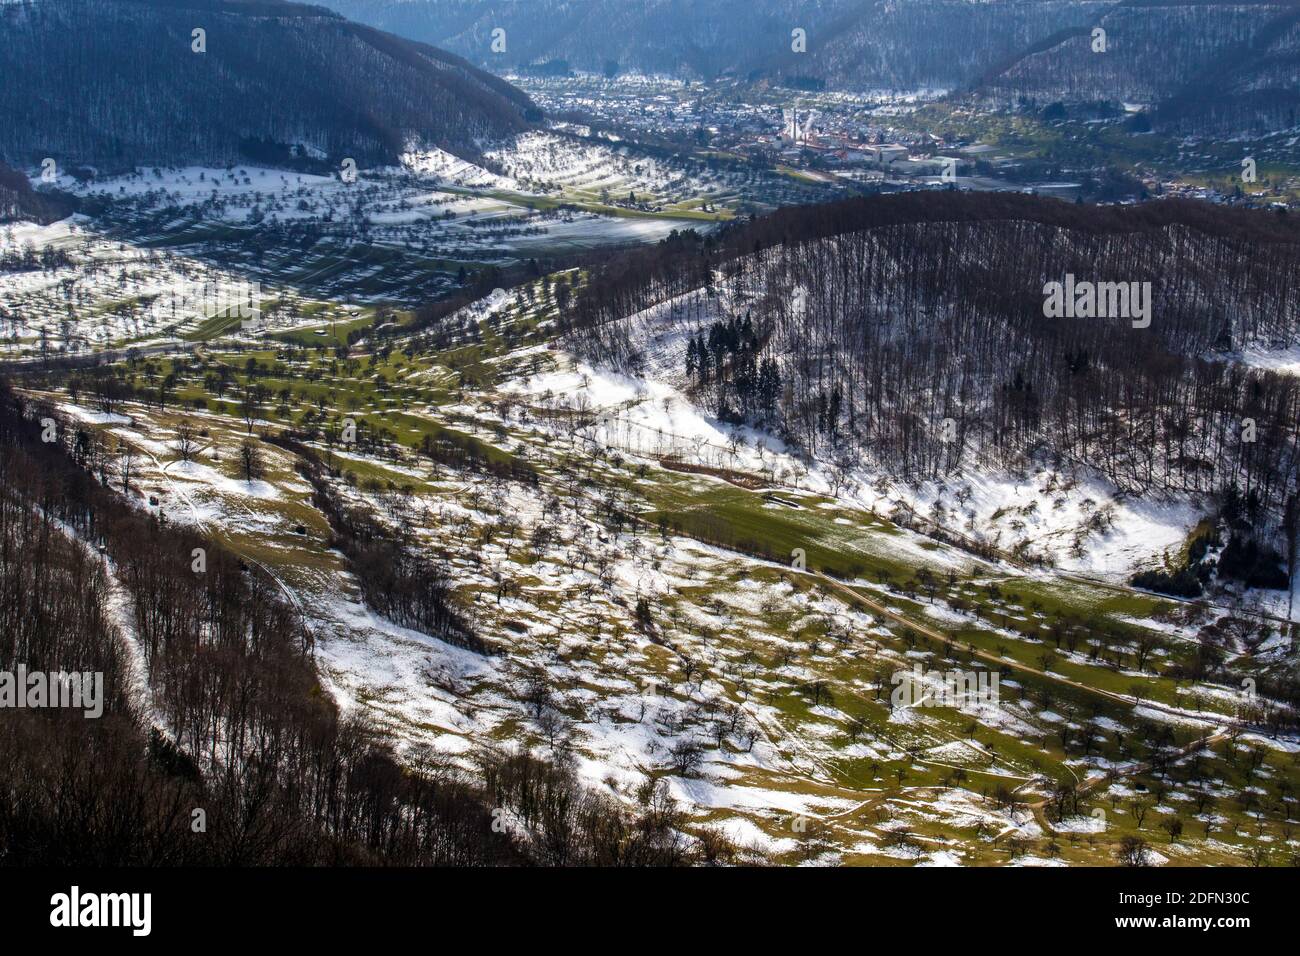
<point x="120" y="82"/>
<point x="911" y="331"/>
<point x="1208" y="67"/>
<point x="19" y="201"/>
<point x="684" y="261"/>
<point x="855" y="44"/>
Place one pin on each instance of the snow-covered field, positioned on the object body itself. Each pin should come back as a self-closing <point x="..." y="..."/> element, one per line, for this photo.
<point x="101" y="293"/>
<point x="548" y="164"/>
<point x="295" y="234"/>
<point x="435" y="201"/>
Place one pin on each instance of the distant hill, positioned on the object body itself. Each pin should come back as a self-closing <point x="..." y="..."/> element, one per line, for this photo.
<point x="1211" y="68"/>
<point x="850" y="43"/>
<point x="117" y="82"/>
<point x="1205" y="66"/>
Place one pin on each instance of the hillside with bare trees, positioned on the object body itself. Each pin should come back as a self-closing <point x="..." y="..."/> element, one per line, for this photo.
<point x="185" y="81"/>
<point x="914" y="333"/>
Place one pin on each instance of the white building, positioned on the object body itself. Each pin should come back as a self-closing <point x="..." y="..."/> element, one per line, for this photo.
<point x="886" y="153"/>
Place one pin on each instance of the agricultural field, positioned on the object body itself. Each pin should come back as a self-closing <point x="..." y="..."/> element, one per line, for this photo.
<point x="188" y="254"/>
<point x="669" y="598"/>
<point x="68" y="288"/>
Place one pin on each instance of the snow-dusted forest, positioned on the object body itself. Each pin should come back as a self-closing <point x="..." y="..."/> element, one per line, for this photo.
<point x="914" y="335"/>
